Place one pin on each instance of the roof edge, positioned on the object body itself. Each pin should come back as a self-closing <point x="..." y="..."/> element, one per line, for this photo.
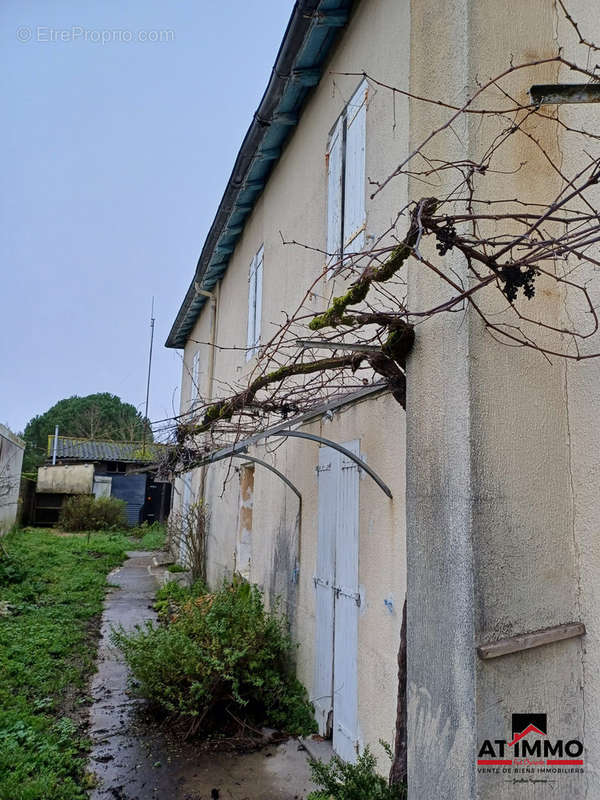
<point x="313" y="28"/>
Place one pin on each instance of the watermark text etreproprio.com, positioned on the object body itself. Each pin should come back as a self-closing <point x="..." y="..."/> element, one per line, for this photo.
<point x="78" y="33"/>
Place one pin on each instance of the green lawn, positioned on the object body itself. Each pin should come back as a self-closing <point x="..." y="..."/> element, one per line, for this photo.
<point x="149" y="537"/>
<point x="54" y="587"/>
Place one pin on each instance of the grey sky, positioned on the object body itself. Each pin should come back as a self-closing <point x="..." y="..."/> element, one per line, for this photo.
<point x="115" y="156"/>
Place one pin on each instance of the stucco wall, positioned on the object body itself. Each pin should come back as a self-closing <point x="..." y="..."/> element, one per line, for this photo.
<point x="284" y="546"/>
<point x="11" y="460"/>
<point x="69" y="479"/>
<point x="502" y="496"/>
<point x="501" y="448"/>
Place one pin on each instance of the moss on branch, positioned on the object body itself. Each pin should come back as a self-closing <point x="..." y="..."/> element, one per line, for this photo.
<point x="225" y="409"/>
<point x="335" y="314"/>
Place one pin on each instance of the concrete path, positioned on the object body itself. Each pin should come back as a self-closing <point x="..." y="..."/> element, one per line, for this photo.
<point x="134" y="759"/>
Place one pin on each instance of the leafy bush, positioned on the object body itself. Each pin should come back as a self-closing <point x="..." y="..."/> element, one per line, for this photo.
<point x="342" y="781"/>
<point x="84" y="512"/>
<point x="221" y="657"/>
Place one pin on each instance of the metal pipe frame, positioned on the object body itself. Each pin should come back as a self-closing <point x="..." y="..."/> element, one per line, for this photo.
<point x="321" y="440"/>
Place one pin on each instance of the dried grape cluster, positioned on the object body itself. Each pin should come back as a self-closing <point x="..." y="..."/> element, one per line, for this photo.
<point x="446" y="238"/>
<point x="514" y="279"/>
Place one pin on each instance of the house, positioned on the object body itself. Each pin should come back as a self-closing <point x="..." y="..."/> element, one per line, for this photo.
<point x="11" y="460"/>
<point x="124" y="470"/>
<point x="480" y="503"/>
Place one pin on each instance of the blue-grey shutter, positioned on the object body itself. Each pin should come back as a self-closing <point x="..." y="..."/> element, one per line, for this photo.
<point x="251" y="310"/>
<point x="354" y="172"/>
<point x="258" y="280"/>
<point x="194" y="392"/>
<point x="334" y="194"/>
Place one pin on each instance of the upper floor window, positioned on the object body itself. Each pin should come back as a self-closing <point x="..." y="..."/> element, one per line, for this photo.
<point x="254" y="304"/>
<point x="346" y="212"/>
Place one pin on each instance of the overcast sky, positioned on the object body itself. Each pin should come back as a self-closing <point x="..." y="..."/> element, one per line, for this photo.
<point x="115" y="156"/>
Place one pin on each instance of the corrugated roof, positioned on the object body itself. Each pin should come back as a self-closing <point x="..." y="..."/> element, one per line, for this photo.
<point x="68" y="447"/>
<point x="311" y="32"/>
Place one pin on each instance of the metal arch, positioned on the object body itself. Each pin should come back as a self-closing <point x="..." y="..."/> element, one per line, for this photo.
<point x="266" y="464"/>
<point x="362" y="464"/>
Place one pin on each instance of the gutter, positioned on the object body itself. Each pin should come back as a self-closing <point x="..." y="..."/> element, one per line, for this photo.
<point x="313" y="28"/>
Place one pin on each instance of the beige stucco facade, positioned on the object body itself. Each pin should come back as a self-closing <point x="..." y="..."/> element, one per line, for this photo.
<point x="494" y="469"/>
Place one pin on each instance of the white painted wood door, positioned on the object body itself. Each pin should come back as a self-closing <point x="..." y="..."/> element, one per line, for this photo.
<point x="337" y="593"/>
<point x="345" y="658"/>
<point x="324" y="582"/>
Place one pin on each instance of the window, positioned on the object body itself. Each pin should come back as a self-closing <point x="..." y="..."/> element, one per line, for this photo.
<point x="254" y="304"/>
<point x="346" y="213"/>
<point x="116" y="466"/>
<point x="195" y="377"/>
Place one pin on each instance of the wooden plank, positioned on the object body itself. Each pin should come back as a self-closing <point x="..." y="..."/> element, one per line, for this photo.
<point x="526" y="641"/>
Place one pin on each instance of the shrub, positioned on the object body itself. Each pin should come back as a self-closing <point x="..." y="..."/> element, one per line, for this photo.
<point x="172" y="595"/>
<point x="341" y="781"/>
<point x="222" y="657"/>
<point x="84" y="512"/>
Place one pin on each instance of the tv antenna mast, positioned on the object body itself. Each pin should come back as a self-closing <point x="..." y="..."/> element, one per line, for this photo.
<point x="148" y="381"/>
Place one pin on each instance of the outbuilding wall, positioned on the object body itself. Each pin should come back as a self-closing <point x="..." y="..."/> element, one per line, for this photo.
<point x="11" y="460"/>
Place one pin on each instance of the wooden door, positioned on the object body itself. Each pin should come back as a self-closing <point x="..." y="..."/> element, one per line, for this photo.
<point x="346" y="607"/>
<point x="324" y="581"/>
<point x="337" y="601"/>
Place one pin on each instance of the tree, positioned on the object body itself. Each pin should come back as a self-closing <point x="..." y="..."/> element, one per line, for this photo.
<point x="96" y="416"/>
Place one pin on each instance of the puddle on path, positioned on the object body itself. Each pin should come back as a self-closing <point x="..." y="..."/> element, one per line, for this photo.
<point x="134" y="759"/>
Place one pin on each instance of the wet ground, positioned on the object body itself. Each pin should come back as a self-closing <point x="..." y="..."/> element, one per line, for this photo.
<point x="134" y="759"/>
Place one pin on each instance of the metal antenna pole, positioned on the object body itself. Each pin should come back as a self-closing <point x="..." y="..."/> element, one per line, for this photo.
<point x="148" y="382"/>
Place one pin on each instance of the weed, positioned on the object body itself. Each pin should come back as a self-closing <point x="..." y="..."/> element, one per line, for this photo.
<point x="172" y="595"/>
<point x="342" y="781"/>
<point x="187" y="538"/>
<point x="10" y="569"/>
<point x="176" y="568"/>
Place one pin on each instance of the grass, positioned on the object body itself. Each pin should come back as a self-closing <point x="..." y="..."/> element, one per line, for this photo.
<point x="49" y="613"/>
<point x="149" y="537"/>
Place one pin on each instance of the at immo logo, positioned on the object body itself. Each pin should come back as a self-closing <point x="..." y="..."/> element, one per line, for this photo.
<point x="530" y="744"/>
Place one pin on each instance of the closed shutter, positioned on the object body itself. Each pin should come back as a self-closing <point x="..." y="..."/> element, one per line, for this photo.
<point x="195" y="390"/>
<point x="354" y="172"/>
<point x="251" y="310"/>
<point x="345" y="669"/>
<point x="334" y="193"/>
<point x="254" y="304"/>
<point x="258" y="298"/>
<point x="324" y="581"/>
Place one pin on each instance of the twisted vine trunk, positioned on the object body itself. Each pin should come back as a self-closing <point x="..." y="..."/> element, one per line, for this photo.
<point x="398" y="771"/>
